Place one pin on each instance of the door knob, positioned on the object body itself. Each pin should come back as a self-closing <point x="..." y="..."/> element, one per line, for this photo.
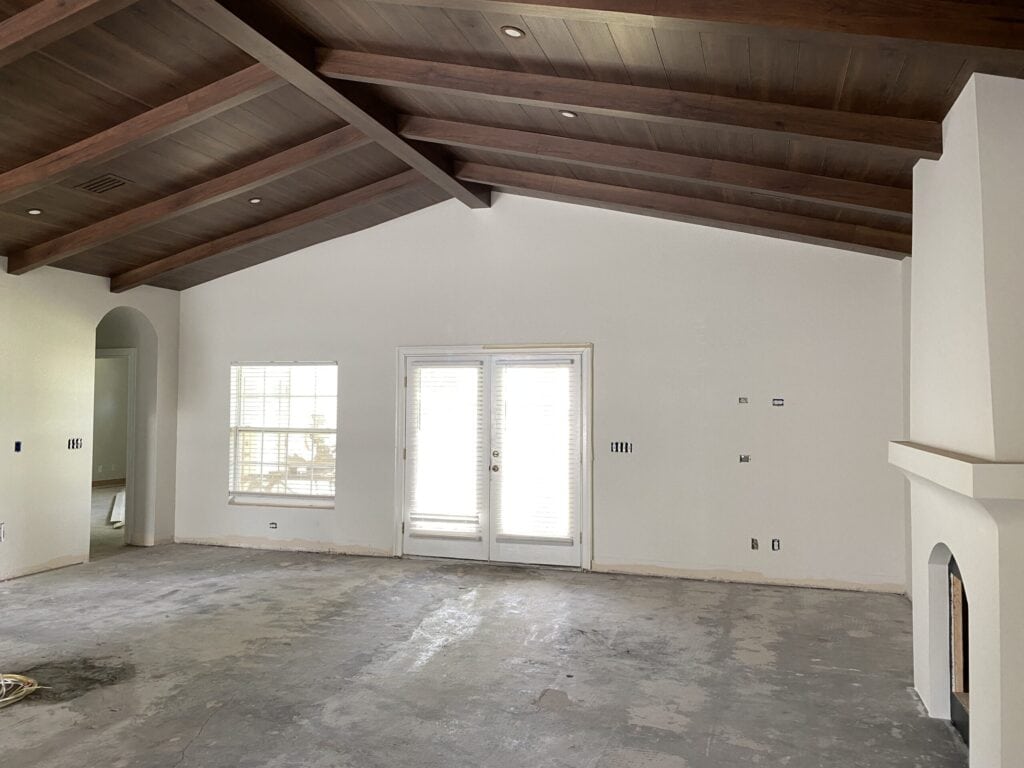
<point x="495" y="467"/>
<point x="495" y="454"/>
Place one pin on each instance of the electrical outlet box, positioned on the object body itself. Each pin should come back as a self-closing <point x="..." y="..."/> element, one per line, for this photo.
<point x="17" y="446"/>
<point x="744" y="458"/>
<point x="754" y="544"/>
<point x="776" y="545"/>
<point x="3" y="532"/>
<point x="744" y="400"/>
<point x="273" y="526"/>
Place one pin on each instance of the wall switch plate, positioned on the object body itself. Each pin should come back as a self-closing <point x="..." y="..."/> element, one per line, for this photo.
<point x="744" y="400"/>
<point x="620" y="446"/>
<point x="273" y="526"/>
<point x="3" y="532"/>
<point x="778" y="402"/>
<point x="754" y="544"/>
<point x="17" y="446"/>
<point x="744" y="458"/>
<point x="776" y="545"/>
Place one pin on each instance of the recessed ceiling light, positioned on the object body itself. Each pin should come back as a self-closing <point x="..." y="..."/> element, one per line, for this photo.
<point x="514" y="32"/>
<point x="255" y="200"/>
<point x="567" y="113"/>
<point x="34" y="211"/>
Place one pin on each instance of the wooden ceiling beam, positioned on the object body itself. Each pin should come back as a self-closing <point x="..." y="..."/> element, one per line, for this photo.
<point x="977" y="29"/>
<point x="47" y="21"/>
<point x="916" y="138"/>
<point x="666" y="165"/>
<point x="192" y="199"/>
<point x="267" y="230"/>
<point x="143" y="129"/>
<point x="260" y="31"/>
<point x="742" y="218"/>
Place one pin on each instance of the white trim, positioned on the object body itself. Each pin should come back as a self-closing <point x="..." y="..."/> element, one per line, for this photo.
<point x="131" y="481"/>
<point x="585" y="350"/>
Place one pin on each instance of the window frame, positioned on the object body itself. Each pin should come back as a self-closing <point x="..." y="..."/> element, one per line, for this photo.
<point x="243" y="498"/>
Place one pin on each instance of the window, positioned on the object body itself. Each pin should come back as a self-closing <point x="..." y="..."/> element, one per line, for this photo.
<point x="284" y="432"/>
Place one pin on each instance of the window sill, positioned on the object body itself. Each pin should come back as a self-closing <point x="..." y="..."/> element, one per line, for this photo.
<point x="289" y="502"/>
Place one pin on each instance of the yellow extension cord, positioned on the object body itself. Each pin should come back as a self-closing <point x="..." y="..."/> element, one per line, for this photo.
<point x="14" y="688"/>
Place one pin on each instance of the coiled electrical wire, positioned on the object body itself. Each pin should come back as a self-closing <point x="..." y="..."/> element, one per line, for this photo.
<point x="14" y="688"/>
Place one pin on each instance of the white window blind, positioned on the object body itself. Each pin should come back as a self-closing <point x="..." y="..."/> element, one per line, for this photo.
<point x="284" y="420"/>
<point x="445" y="443"/>
<point x="536" y="434"/>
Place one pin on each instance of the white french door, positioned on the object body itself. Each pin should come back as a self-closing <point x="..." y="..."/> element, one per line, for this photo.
<point x="494" y="451"/>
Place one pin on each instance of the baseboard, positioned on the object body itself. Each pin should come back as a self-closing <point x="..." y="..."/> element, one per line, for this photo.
<point x="745" y="577"/>
<point x="284" y="545"/>
<point x="107" y="483"/>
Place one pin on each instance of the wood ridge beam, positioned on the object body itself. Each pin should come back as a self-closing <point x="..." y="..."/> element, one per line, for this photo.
<point x="743" y="218"/>
<point x="47" y="21"/>
<point x="138" y="131"/>
<point x="268" y="230"/>
<point x="912" y="137"/>
<point x="991" y="31"/>
<point x="188" y="200"/>
<point x="826" y="190"/>
<point x="264" y="34"/>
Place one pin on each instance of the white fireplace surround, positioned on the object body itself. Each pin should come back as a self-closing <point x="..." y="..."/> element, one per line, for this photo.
<point x="971" y="509"/>
<point x="965" y="405"/>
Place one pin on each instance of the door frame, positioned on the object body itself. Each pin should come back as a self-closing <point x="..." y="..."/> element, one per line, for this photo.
<point x="131" y="486"/>
<point x="586" y="416"/>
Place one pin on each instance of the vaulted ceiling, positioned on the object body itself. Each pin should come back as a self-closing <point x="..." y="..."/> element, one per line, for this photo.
<point x="169" y="142"/>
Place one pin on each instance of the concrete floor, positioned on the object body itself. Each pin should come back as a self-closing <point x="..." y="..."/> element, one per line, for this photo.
<point x="192" y="657"/>
<point x="104" y="541"/>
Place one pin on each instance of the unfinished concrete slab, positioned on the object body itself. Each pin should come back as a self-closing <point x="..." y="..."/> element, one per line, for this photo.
<point x="202" y="657"/>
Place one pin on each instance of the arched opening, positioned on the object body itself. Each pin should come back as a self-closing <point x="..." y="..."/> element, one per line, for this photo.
<point x="959" y="652"/>
<point x="124" y="419"/>
<point x="949" y="639"/>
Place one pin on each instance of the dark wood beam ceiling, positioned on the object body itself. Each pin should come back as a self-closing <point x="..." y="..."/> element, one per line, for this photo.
<point x="267" y="38"/>
<point x="143" y="129"/>
<point x="209" y="192"/>
<point x="668" y="165"/>
<point x="49" y="20"/>
<point x="916" y="138"/>
<point x="267" y="230"/>
<point x="796" y="119"/>
<point x="879" y="242"/>
<point x="966" y="28"/>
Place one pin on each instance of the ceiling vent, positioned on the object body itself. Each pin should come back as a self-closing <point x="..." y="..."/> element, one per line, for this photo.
<point x="103" y="184"/>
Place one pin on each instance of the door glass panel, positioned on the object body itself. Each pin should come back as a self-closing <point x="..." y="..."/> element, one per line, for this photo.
<point x="536" y="439"/>
<point x="445" y="441"/>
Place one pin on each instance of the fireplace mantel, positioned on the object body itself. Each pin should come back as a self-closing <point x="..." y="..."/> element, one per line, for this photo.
<point x="969" y="476"/>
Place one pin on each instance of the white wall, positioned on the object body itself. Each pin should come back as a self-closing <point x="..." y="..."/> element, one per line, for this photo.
<point x="110" y="425"/>
<point x="48" y="324"/>
<point x="684" y="320"/>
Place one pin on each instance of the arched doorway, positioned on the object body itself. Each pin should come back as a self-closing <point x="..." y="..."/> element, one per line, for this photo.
<point x="124" y="419"/>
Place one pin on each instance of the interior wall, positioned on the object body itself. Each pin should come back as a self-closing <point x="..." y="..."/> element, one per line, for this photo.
<point x="684" y="320"/>
<point x="48" y="324"/>
<point x="110" y="424"/>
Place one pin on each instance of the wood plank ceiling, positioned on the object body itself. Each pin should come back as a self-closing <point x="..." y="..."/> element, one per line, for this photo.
<point x="144" y="132"/>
